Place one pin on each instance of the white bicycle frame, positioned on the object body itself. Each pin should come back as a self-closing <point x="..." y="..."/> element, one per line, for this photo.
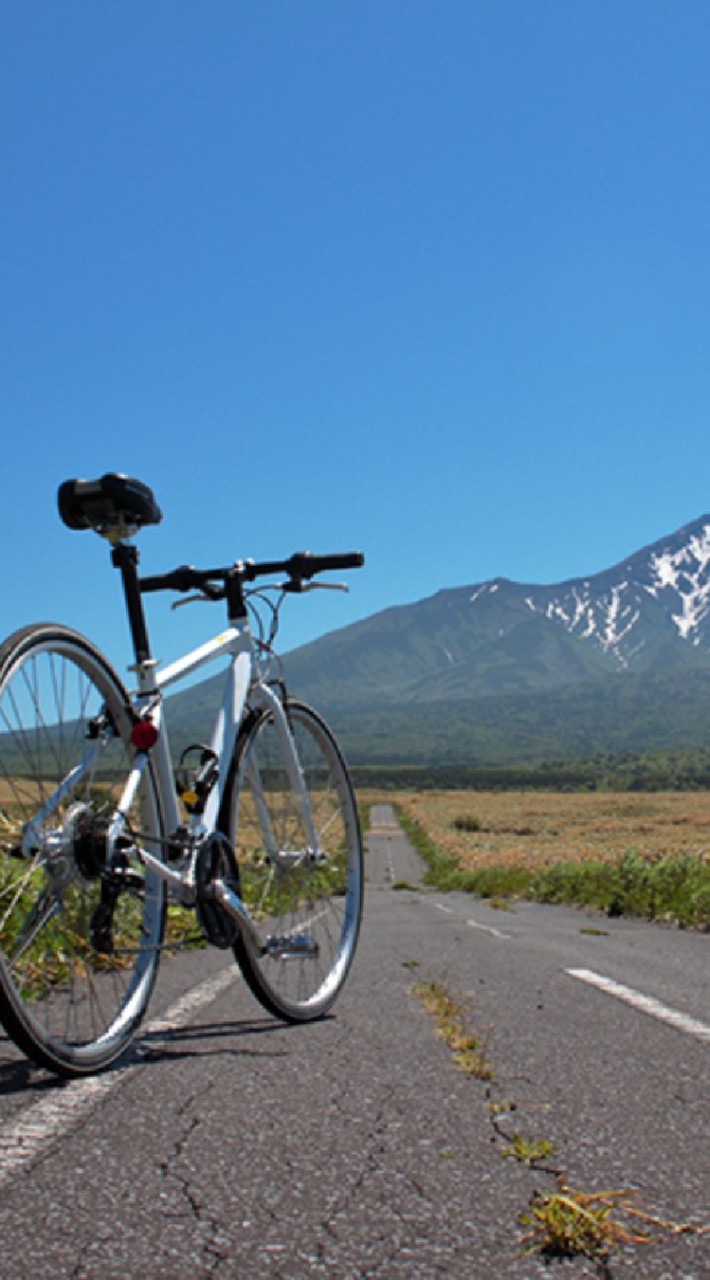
<point x="243" y="686"/>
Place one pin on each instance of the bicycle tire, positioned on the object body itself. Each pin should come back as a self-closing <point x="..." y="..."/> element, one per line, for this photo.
<point x="71" y="995"/>
<point x="307" y="912"/>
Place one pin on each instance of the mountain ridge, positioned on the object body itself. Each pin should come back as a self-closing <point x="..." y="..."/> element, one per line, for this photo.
<point x="646" y="613"/>
<point x="541" y="659"/>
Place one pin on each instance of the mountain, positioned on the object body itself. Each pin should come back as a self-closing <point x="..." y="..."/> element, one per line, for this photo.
<point x="615" y="661"/>
<point x="648" y="614"/>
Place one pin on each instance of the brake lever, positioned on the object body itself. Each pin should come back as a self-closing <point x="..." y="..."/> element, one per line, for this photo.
<point x="211" y="592"/>
<point x="298" y="587"/>
<point x="177" y="604"/>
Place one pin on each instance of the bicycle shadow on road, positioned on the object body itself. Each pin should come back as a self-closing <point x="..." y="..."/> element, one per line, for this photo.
<point x="162" y="1046"/>
<point x="209" y="1039"/>
<point x="24" y="1077"/>
<point x="193" y="1041"/>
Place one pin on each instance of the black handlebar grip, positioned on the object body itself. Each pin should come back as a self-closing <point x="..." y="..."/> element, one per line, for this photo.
<point x="181" y="579"/>
<point x="306" y="565"/>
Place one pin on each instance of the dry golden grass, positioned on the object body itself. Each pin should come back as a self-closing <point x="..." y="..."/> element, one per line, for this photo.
<point x="27" y="791"/>
<point x="534" y="830"/>
<point x="10" y="788"/>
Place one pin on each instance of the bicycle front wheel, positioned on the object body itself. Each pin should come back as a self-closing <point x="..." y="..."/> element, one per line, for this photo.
<point x="306" y="903"/>
<point x="79" y="947"/>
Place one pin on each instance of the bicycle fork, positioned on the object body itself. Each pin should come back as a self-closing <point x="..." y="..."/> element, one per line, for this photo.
<point x="301" y="944"/>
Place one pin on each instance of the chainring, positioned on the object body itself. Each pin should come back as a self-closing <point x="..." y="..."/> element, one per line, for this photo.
<point x="216" y="861"/>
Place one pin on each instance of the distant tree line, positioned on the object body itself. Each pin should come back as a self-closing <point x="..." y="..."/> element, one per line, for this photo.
<point x="652" y="771"/>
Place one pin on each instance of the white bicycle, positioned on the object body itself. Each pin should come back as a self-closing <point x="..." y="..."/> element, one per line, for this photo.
<point x="256" y="831"/>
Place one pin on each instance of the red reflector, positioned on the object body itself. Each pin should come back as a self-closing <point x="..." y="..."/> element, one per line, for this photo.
<point x="144" y="735"/>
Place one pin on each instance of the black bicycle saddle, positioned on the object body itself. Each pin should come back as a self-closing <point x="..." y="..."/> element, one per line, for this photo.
<point x="114" y="502"/>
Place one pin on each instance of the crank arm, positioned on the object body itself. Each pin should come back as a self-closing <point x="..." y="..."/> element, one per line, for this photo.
<point x="233" y="905"/>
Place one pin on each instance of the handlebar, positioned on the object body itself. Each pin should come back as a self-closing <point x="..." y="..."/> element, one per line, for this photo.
<point x="304" y="565"/>
<point x="300" y="567"/>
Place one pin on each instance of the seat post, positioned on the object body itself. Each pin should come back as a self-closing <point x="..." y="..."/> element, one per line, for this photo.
<point x="125" y="558"/>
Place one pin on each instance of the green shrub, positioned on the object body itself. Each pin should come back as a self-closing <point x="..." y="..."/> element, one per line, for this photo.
<point x="674" y="889"/>
<point x="467" y="823"/>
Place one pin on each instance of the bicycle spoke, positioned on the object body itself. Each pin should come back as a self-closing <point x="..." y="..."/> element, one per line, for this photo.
<point x="68" y="1004"/>
<point x="307" y="906"/>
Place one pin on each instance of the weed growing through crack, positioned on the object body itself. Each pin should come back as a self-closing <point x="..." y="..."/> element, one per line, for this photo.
<point x="528" y="1151"/>
<point x="532" y="1152"/>
<point x="503" y="1107"/>
<point x="568" y="1224"/>
<point x="448" y="1014"/>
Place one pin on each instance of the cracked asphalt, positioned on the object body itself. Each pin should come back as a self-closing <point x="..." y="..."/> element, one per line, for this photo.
<point x="236" y="1146"/>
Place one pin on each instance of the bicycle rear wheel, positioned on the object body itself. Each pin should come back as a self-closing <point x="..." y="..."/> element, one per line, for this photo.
<point x="79" y="948"/>
<point x="307" y="904"/>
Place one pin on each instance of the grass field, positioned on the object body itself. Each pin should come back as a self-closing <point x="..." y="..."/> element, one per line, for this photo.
<point x="534" y="830"/>
<point x="625" y="854"/>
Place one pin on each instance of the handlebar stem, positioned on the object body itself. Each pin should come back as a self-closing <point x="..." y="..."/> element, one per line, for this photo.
<point x="234" y="590"/>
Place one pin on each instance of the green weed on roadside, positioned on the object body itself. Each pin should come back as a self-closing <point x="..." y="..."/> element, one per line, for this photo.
<point x="675" y="890"/>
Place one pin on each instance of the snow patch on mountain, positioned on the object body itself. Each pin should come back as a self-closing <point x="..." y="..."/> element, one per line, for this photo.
<point x="685" y="571"/>
<point x="608" y="618"/>
<point x="609" y="610"/>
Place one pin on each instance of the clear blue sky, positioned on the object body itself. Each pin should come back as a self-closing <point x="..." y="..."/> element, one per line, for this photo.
<point x="429" y="278"/>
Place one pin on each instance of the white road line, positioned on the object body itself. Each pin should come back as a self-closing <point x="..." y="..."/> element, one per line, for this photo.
<point x="487" y="928"/>
<point x="645" y="1004"/>
<point x="41" y="1124"/>
<point x="473" y="924"/>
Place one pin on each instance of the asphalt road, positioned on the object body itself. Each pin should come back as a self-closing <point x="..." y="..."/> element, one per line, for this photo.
<point x="228" y="1145"/>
